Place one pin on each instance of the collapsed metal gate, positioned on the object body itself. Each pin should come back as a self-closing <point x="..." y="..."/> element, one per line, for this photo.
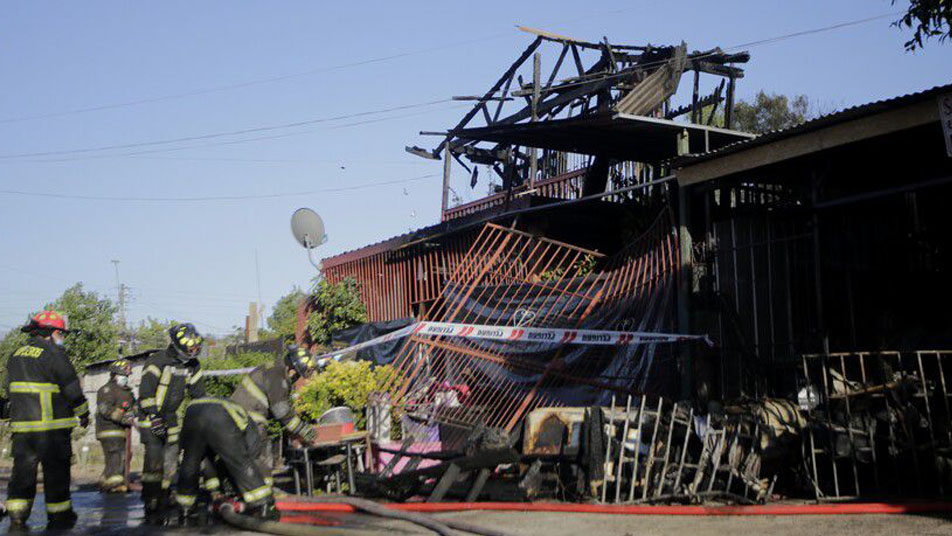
<point x="510" y="278"/>
<point x="660" y="450"/>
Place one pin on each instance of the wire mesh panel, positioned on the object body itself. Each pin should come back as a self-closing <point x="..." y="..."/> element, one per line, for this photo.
<point x="510" y="278"/>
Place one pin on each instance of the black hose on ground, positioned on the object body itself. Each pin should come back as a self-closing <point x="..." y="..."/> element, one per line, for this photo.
<point x="440" y="526"/>
<point x="227" y="512"/>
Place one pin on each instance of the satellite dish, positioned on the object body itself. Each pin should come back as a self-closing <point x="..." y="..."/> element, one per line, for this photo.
<point x="308" y="229"/>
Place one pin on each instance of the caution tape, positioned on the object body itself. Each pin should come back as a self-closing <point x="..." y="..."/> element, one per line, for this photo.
<point x="589" y="337"/>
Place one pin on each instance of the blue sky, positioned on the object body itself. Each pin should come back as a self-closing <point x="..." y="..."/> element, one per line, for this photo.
<point x="196" y="260"/>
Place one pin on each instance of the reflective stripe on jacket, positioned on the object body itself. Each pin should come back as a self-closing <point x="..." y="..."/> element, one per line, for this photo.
<point x="112" y="404"/>
<point x="265" y="392"/>
<point x="43" y="389"/>
<point x="165" y="382"/>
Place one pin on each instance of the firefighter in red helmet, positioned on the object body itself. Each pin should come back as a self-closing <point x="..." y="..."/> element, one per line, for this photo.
<point x="46" y="403"/>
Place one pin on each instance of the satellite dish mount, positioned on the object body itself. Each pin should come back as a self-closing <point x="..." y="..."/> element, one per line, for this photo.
<point x="308" y="229"/>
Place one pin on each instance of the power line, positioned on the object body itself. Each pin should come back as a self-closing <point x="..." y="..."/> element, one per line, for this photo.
<point x="814" y="31"/>
<point x="394" y="108"/>
<point x="280" y="78"/>
<point x="214" y="198"/>
<point x="231" y="142"/>
<point x="224" y="133"/>
<point x="248" y="83"/>
<point x="751" y="44"/>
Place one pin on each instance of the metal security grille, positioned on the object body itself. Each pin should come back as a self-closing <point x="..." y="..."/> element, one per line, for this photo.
<point x="510" y="278"/>
<point x="883" y="423"/>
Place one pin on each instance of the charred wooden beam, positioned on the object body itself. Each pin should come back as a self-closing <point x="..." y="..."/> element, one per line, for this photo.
<point x="549" y="36"/>
<point x="499" y="83"/>
<point x="709" y="67"/>
<point x="422" y="153"/>
<point x="701" y="103"/>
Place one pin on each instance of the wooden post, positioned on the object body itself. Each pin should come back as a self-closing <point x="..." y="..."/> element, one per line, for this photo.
<point x="729" y="105"/>
<point x="447" y="156"/>
<point x="536" y="89"/>
<point x="685" y="283"/>
<point x="694" y="110"/>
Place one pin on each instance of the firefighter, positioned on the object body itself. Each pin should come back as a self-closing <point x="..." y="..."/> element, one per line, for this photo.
<point x="168" y="376"/>
<point x="215" y="428"/>
<point x="115" y="415"/>
<point x="266" y="392"/>
<point x="46" y="403"/>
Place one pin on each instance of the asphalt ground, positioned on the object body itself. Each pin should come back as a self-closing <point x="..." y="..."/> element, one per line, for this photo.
<point x="122" y="514"/>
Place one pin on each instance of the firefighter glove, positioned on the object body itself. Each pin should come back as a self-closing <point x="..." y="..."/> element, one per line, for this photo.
<point x="159" y="429"/>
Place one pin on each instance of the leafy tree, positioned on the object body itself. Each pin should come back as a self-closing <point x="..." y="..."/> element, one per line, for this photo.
<point x="344" y="383"/>
<point x="153" y="333"/>
<point x="8" y="344"/>
<point x="930" y="18"/>
<point x="87" y="312"/>
<point x="771" y="112"/>
<point x="335" y="307"/>
<point x="94" y="317"/>
<point x="283" y="319"/>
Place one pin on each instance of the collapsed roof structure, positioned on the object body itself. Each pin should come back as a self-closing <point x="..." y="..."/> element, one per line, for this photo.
<point x="614" y="107"/>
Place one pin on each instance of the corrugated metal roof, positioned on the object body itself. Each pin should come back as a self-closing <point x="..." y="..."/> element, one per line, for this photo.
<point x="841" y="116"/>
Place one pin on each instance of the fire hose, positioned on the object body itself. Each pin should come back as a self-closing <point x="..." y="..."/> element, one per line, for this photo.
<point x="233" y="518"/>
<point x="444" y="527"/>
<point x="296" y="505"/>
<point x="440" y="526"/>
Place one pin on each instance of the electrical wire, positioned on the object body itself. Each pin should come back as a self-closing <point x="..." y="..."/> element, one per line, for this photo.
<point x="214" y="197"/>
<point x="225" y="133"/>
<point x="404" y="107"/>
<point x="281" y="78"/>
<point x="230" y="142"/>
<point x="248" y="83"/>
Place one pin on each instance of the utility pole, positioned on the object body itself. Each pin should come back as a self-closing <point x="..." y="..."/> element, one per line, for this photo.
<point x="121" y="291"/>
<point x="251" y="322"/>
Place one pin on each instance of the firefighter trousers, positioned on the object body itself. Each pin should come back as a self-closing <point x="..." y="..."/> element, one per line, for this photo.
<point x="260" y="445"/>
<point x="53" y="450"/>
<point x="158" y="470"/>
<point x="211" y="430"/>
<point x="114" y="472"/>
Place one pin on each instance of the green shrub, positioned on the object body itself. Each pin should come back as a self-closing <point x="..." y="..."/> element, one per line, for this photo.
<point x="224" y="386"/>
<point x="344" y="383"/>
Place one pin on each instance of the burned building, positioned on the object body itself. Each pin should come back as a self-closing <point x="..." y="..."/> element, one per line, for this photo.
<point x="814" y="259"/>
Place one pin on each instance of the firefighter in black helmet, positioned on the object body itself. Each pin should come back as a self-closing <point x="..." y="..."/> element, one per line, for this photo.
<point x="46" y="403"/>
<point x="115" y="415"/>
<point x="266" y="393"/>
<point x="166" y="379"/>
